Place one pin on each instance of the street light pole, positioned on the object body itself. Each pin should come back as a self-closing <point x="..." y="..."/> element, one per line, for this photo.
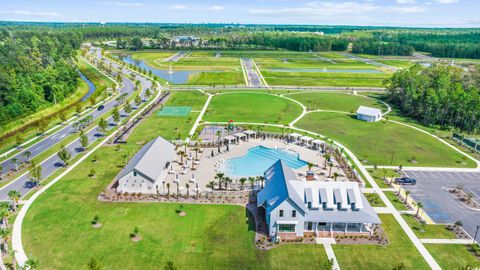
<point x="475" y="237"/>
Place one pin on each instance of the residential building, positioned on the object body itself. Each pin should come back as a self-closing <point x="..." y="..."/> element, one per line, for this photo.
<point x="296" y="207"/>
<point x="145" y="172"/>
<point x="369" y="114"/>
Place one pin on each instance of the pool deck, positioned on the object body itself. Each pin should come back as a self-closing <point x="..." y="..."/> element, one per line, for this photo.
<point x="210" y="166"/>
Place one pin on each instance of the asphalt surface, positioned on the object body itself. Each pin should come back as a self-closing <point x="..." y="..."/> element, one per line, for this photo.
<point x="176" y="57"/>
<point x="252" y="74"/>
<point x="432" y="190"/>
<point x="369" y="61"/>
<point x="23" y="184"/>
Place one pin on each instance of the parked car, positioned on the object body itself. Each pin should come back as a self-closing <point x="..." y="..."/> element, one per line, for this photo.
<point x="101" y="107"/>
<point x="406" y="181"/>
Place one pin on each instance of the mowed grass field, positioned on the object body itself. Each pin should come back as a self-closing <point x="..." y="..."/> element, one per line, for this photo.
<point x="275" y="63"/>
<point x="335" y="101"/>
<point x="453" y="256"/>
<point x="375" y="143"/>
<point x="324" y="79"/>
<point x="252" y="107"/>
<point x="399" y="250"/>
<point x="208" y="237"/>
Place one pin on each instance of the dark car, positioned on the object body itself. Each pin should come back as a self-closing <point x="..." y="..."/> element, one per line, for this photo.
<point x="101" y="107"/>
<point x="406" y="181"/>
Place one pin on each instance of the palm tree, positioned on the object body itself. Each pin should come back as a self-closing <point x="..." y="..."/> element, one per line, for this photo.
<point x="14" y="196"/>
<point x="14" y="162"/>
<point x="419" y="205"/>
<point x="116" y="114"/>
<point x="252" y="181"/>
<point x="4" y="214"/>
<point x="211" y="185"/>
<point x="242" y="182"/>
<point x="327" y="159"/>
<point x="310" y="166"/>
<point x="330" y="166"/>
<point x="27" y="155"/>
<point x="30" y="264"/>
<point x="83" y="140"/>
<point x="219" y="176"/>
<point x="14" y="259"/>
<point x="385" y="171"/>
<point x="181" y="154"/>
<point x="261" y="179"/>
<point x="228" y="181"/>
<point x="102" y="125"/>
<point x="3" y="239"/>
<point x="406" y="195"/>
<point x="36" y="173"/>
<point x="335" y="175"/>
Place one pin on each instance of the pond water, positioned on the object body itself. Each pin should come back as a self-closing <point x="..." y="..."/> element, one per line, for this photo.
<point x="326" y="70"/>
<point x="91" y="87"/>
<point x="174" y="76"/>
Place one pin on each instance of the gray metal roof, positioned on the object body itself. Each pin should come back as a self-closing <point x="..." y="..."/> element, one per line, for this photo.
<point x="151" y="160"/>
<point x="278" y="188"/>
<point x="282" y="184"/>
<point x="369" y="111"/>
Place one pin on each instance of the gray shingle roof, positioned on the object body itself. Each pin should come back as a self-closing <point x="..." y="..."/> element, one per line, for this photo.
<point x="368" y="111"/>
<point x="151" y="160"/>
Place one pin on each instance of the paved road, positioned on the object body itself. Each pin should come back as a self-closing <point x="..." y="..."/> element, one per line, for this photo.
<point x="370" y="61"/>
<point x="252" y="74"/>
<point x="440" y="205"/>
<point x="176" y="57"/>
<point x="51" y="164"/>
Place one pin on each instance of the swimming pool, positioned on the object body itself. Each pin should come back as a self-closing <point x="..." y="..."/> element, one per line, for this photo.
<point x="258" y="159"/>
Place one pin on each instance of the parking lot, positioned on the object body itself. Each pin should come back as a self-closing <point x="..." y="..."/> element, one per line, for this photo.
<point x="432" y="190"/>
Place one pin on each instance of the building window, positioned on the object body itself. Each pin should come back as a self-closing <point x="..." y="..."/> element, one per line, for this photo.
<point x="309" y="205"/>
<point x="309" y="226"/>
<point x="294" y="213"/>
<point x="134" y="173"/>
<point x="280" y="213"/>
<point x="286" y="228"/>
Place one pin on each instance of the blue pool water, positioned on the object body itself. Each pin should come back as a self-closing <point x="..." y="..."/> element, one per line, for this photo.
<point x="258" y="159"/>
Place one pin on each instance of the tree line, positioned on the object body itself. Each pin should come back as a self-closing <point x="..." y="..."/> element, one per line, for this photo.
<point x="441" y="95"/>
<point x="37" y="69"/>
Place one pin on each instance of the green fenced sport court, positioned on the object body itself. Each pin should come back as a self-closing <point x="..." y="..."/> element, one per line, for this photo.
<point x="175" y="111"/>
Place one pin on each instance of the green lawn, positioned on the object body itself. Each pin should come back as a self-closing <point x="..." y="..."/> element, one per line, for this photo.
<point x="397" y="63"/>
<point x="208" y="237"/>
<point x="375" y="143"/>
<point x="272" y="63"/>
<point x="399" y="250"/>
<point x="252" y="107"/>
<point x="453" y="256"/>
<point x="374" y="200"/>
<point x="335" y="101"/>
<point x="397" y="203"/>
<point x="428" y="230"/>
<point x="378" y="174"/>
<point x="324" y="79"/>
<point x="194" y="99"/>
<point x="217" y="78"/>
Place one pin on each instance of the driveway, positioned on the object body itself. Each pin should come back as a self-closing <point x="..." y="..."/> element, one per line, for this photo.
<point x="440" y="205"/>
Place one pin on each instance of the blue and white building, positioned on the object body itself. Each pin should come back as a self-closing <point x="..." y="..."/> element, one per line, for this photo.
<point x="369" y="114"/>
<point x="296" y="207"/>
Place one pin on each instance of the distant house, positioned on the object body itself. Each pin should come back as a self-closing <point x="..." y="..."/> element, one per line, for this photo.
<point x="147" y="169"/>
<point x="369" y="114"/>
<point x="295" y="208"/>
<point x="186" y="41"/>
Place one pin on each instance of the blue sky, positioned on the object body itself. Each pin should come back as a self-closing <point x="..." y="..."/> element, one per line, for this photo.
<point x="429" y="13"/>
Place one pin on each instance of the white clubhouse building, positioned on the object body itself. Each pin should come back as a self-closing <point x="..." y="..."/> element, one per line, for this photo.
<point x="145" y="172"/>
<point x="296" y="208"/>
<point x="369" y="114"/>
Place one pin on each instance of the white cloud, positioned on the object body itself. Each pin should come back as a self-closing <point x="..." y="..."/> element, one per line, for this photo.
<point x="407" y="9"/>
<point x="121" y="4"/>
<point x="320" y="8"/>
<point x="33" y="14"/>
<point x="177" y="7"/>
<point x="215" y="8"/>
<point x="405" y="1"/>
<point x="446" y="1"/>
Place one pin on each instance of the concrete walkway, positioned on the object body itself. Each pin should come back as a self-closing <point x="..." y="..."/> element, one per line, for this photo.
<point x="447" y="241"/>
<point x="199" y="118"/>
<point x="331" y="255"/>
